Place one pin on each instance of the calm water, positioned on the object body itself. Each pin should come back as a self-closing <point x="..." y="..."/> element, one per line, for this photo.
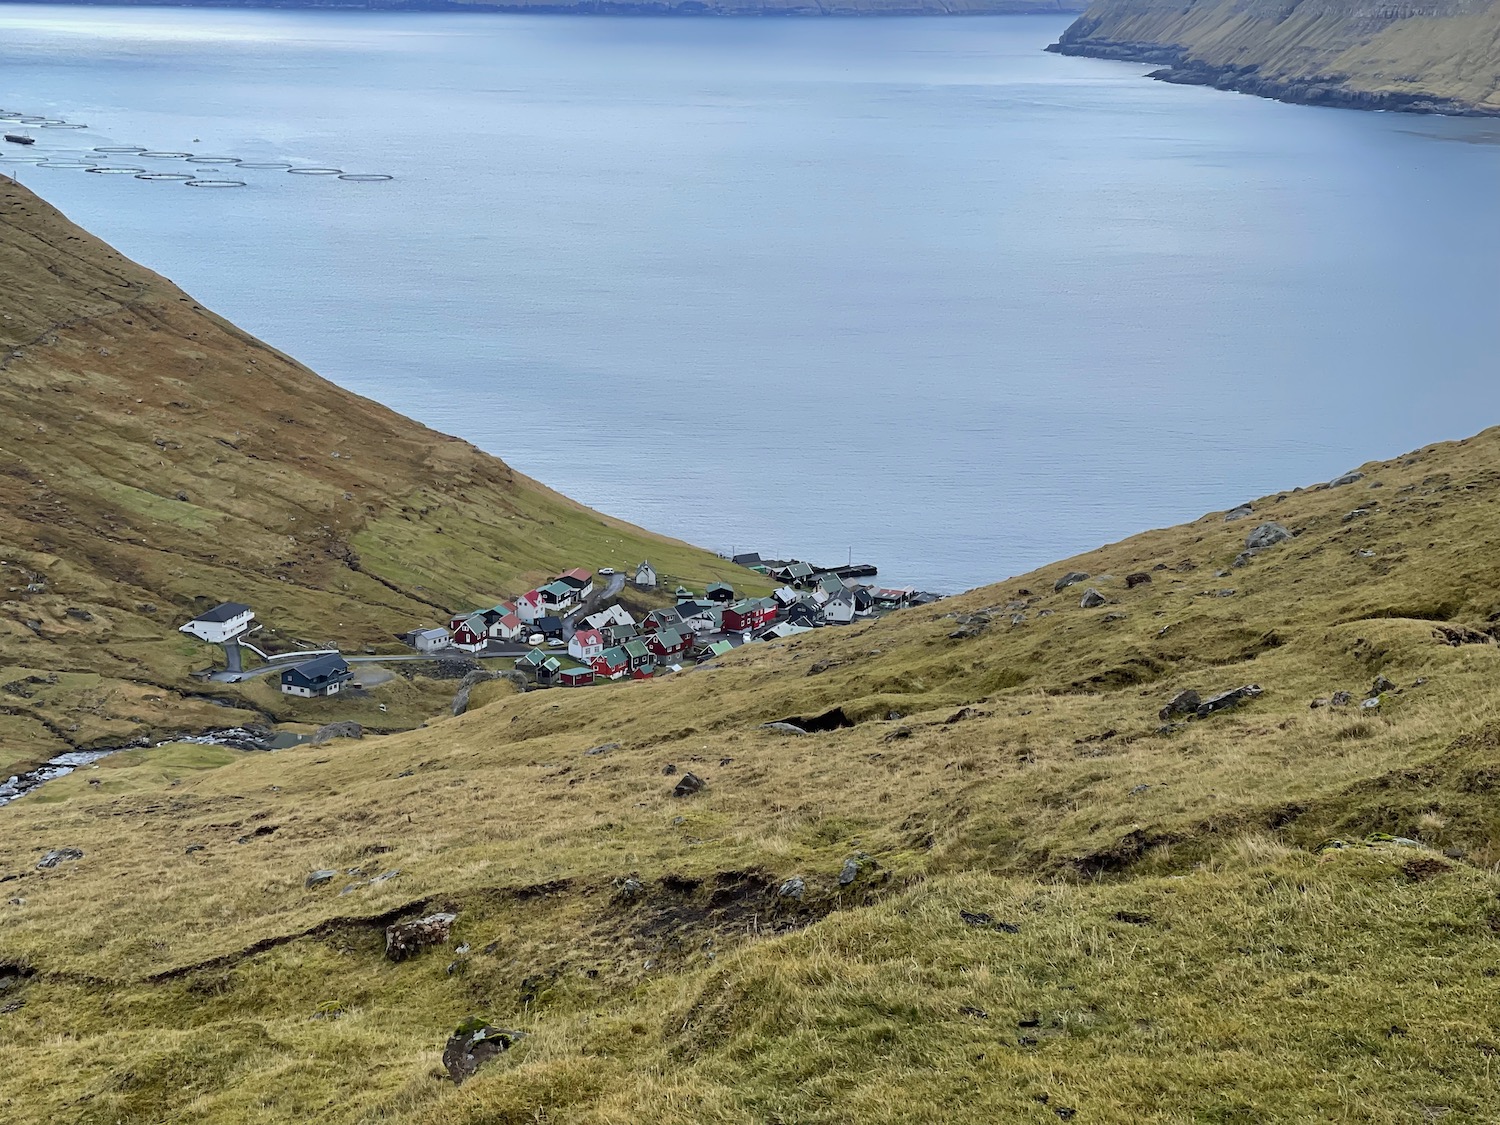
<point x="910" y="287"/>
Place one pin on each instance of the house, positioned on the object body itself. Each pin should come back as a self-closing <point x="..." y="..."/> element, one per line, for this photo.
<point x="548" y="671"/>
<point x="619" y="634"/>
<point x="645" y="576"/>
<point x="506" y="628"/>
<point x="581" y="581"/>
<point x="749" y="615"/>
<point x="324" y="676"/>
<point x="864" y="603"/>
<point x="586" y="645"/>
<point x="661" y="619"/>
<point x="804" y="613"/>
<point x="430" y="640"/>
<point x="531" y="661"/>
<point x="784" y="629"/>
<point x="612" y="663"/>
<point x="668" y="645"/>
<point x="750" y="560"/>
<point x="549" y="627"/>
<point x="644" y="672"/>
<point x="708" y="652"/>
<point x="614" y="615"/>
<point x="222" y="623"/>
<point x="786" y="596"/>
<point x="636" y="653"/>
<point x="472" y="634"/>
<point x="683" y="594"/>
<point x="529" y="607"/>
<point x="830" y="583"/>
<point x="557" y="595"/>
<point x="795" y="573"/>
<point x="886" y="598"/>
<point x="701" y="617"/>
<point x="839" y="609"/>
<point x="576" y="677"/>
<point x="721" y="592"/>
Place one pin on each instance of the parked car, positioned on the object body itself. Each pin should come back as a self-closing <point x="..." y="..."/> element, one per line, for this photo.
<point x="556" y="643"/>
<point x="606" y="571"/>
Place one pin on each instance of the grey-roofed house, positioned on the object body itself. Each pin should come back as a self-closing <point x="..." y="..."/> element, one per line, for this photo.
<point x="324" y="676"/>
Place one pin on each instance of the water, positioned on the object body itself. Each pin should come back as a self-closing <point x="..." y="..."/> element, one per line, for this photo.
<point x="907" y="287"/>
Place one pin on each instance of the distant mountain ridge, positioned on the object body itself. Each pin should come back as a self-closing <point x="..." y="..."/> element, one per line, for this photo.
<point x="1438" y="57"/>
<point x="801" y="8"/>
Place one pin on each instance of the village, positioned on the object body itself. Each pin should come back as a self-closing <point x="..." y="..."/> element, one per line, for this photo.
<point x="575" y="632"/>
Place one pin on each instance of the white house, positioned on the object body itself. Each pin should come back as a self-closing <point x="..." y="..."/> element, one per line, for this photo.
<point x="645" y="576"/>
<point x="581" y="580"/>
<point x="786" y="597"/>
<point x="506" y="628"/>
<point x="222" y="623"/>
<point x="429" y="640"/>
<point x="586" y="645"/>
<point x="614" y="615"/>
<point x="839" y="608"/>
<point x="529" y="607"/>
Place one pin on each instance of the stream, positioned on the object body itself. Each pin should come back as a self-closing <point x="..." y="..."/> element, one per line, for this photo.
<point x="239" y="738"/>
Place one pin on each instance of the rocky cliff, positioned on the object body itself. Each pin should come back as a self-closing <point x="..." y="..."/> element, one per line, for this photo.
<point x="1441" y="56"/>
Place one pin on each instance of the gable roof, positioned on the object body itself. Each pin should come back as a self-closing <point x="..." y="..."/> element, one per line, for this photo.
<point x="438" y="631"/>
<point x="669" y="638"/>
<point x="557" y="589"/>
<point x="531" y="597"/>
<point x="635" y="647"/>
<point x="750" y="558"/>
<point x="323" y="669"/>
<point x="712" y="586"/>
<point x="589" y="637"/>
<point x="552" y="665"/>
<point x="225" y="611"/>
<point x="577" y="574"/>
<point x="613" y="657"/>
<point x="532" y="658"/>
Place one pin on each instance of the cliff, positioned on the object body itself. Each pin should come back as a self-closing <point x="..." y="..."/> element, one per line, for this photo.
<point x="1437" y="57"/>
<point x="155" y="460"/>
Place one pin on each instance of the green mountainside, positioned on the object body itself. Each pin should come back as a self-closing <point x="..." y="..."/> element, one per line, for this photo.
<point x="1442" y="56"/>
<point x="155" y="461"/>
<point x="1013" y="857"/>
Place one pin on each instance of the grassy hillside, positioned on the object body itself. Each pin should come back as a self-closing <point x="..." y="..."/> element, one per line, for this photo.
<point x="1025" y="896"/>
<point x="155" y="460"/>
<point x="1442" y="56"/>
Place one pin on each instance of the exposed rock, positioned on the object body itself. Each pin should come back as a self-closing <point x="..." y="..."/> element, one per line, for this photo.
<point x="472" y="1045"/>
<point x="336" y="730"/>
<point x="1381" y="685"/>
<point x="1347" y="478"/>
<point x="1072" y="578"/>
<point x="79" y="614"/>
<point x="191" y="848"/>
<point x="897" y="735"/>
<point x="1140" y="578"/>
<point x="783" y="728"/>
<point x="631" y="888"/>
<point x="1183" y="703"/>
<point x="58" y="855"/>
<point x="1092" y="599"/>
<point x="1456" y="635"/>
<point x="479" y="676"/>
<point x="1227" y="699"/>
<point x="1243" y="512"/>
<point x="1358" y="513"/>
<point x="1341" y="699"/>
<point x="1370" y="704"/>
<point x="406" y="939"/>
<point x="320" y="878"/>
<point x="793" y="888"/>
<point x="849" y="872"/>
<point x="689" y="784"/>
<point x="595" y="751"/>
<point x="1266" y="535"/>
<point x="385" y="877"/>
<point x="821" y="666"/>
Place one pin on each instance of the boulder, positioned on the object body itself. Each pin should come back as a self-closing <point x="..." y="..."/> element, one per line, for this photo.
<point x="1183" y="703"/>
<point x="1370" y="704"/>
<point x="1227" y="699"/>
<point x="320" y="878"/>
<point x="1072" y="578"/>
<point x="1243" y="512"/>
<point x="1341" y="699"/>
<point x="1381" y="686"/>
<point x="783" y="728"/>
<point x="1140" y="578"/>
<point x="689" y="784"/>
<point x="849" y="872"/>
<point x="1347" y="478"/>
<point x="793" y="888"/>
<point x="473" y="1044"/>
<point x="336" y="730"/>
<point x="595" y="751"/>
<point x="405" y="940"/>
<point x="631" y="888"/>
<point x="58" y="855"/>
<point x="1266" y="535"/>
<point x="1092" y="599"/>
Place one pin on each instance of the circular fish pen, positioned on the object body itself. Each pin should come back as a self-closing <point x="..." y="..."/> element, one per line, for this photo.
<point x="265" y="166"/>
<point x="120" y="150"/>
<point x="314" y="171"/>
<point x="115" y="170"/>
<point x="199" y="158"/>
<point x="215" y="183"/>
<point x="365" y="177"/>
<point x="174" y="177"/>
<point x="75" y="165"/>
<point x="164" y="155"/>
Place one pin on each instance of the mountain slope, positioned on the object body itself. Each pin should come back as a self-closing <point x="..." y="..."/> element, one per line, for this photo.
<point x="155" y="460"/>
<point x="1436" y="57"/>
<point x="993" y="884"/>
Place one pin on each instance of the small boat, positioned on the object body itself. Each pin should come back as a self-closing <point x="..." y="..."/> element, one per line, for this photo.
<point x="20" y="139"/>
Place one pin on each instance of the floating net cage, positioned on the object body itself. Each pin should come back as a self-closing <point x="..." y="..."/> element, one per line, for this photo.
<point x="365" y="177"/>
<point x="115" y="170"/>
<point x="266" y="165"/>
<point x="120" y="150"/>
<point x="315" y="171"/>
<point x="215" y="183"/>
<point x="164" y="155"/>
<point x="175" y="177"/>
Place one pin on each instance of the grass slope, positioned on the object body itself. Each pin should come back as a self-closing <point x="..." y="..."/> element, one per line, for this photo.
<point x="1198" y="921"/>
<point x="155" y="460"/>
<point x="1443" y="56"/>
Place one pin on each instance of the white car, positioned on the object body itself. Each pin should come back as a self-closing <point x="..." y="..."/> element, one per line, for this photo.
<point x="555" y="643"/>
<point x="606" y="571"/>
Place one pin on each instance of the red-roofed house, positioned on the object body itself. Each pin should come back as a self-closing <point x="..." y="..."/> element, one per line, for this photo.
<point x="586" y="645"/>
<point x="580" y="579"/>
<point x="529" y="607"/>
<point x="506" y="628"/>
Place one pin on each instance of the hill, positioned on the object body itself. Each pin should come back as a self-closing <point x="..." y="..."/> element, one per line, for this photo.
<point x="155" y="460"/>
<point x="1438" y="58"/>
<point x="1012" y="870"/>
<point x="803" y="8"/>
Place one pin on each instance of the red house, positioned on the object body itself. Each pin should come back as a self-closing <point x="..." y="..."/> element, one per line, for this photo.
<point x="576" y="677"/>
<point x="644" y="672"/>
<point x="612" y="663"/>
<point x="749" y="615"/>
<point x="667" y="645"/>
<point x="471" y="634"/>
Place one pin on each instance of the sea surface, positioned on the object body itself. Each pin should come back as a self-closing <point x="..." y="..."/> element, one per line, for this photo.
<point x="907" y="290"/>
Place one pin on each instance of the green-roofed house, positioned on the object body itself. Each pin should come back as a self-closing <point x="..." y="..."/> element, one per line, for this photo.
<point x="531" y="661"/>
<point x="721" y="592"/>
<point x="637" y="653"/>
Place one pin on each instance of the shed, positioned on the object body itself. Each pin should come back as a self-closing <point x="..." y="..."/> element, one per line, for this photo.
<point x="576" y="677"/>
<point x="430" y="640"/>
<point x="719" y="592"/>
